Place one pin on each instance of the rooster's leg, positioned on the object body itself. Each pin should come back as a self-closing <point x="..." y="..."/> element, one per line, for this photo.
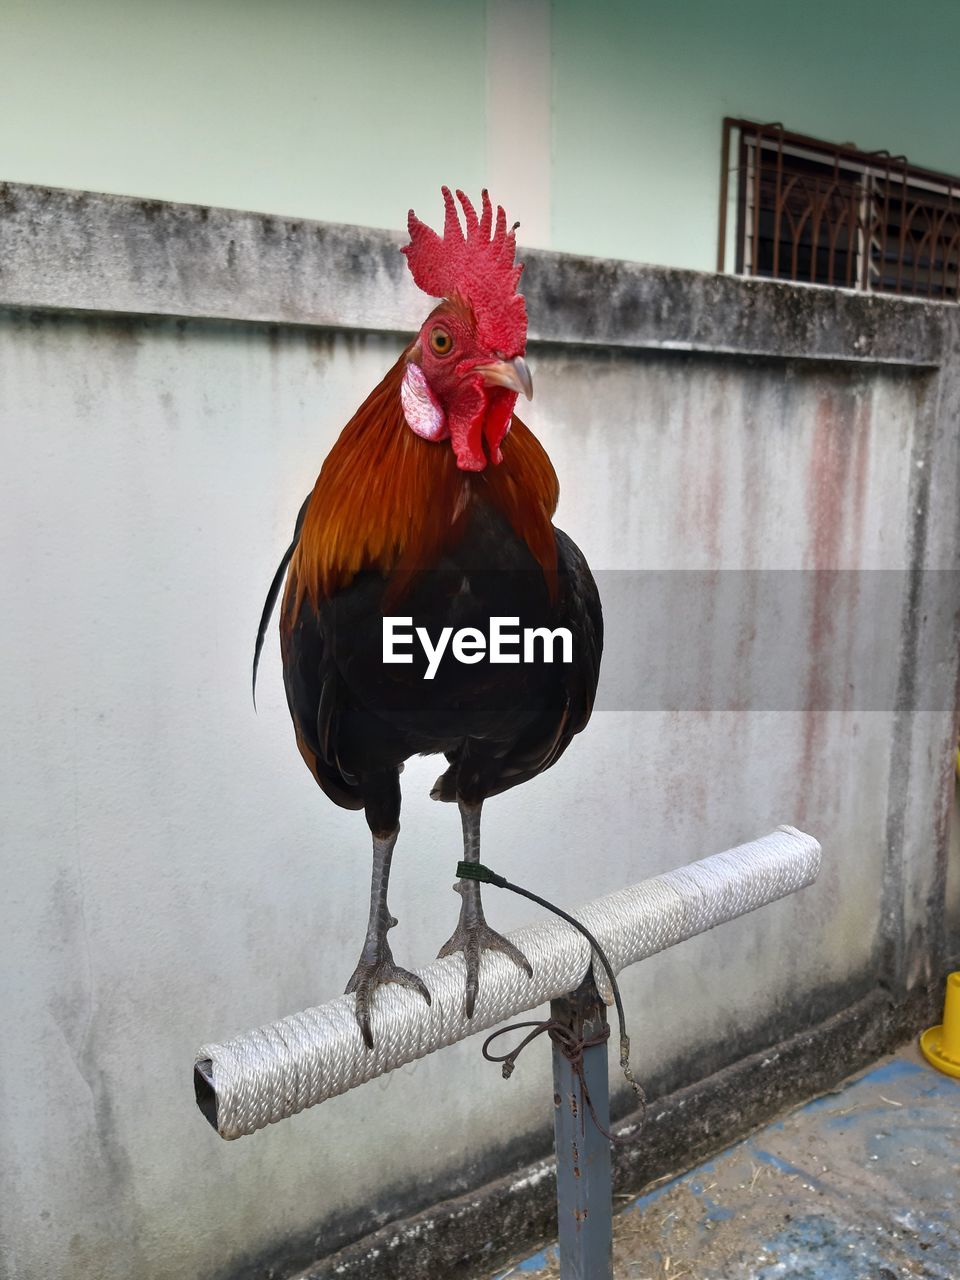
<point x="473" y="935"/>
<point x="376" y="960"/>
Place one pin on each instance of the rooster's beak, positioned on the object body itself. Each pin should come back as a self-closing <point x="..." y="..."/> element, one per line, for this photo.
<point x="513" y="374"/>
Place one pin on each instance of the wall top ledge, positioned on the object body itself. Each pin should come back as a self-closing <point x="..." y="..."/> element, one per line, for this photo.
<point x="86" y="252"/>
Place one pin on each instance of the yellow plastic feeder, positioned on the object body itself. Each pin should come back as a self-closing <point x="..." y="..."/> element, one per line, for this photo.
<point x="941" y="1045"/>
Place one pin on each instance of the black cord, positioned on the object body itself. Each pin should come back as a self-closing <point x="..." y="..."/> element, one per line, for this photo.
<point x="477" y="871"/>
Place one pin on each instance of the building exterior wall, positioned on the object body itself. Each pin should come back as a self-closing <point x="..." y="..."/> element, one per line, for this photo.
<point x="173" y="874"/>
<point x="641" y="93"/>
<point x="598" y="126"/>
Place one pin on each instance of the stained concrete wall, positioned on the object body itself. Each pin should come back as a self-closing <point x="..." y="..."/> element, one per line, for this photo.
<point x="170" y="379"/>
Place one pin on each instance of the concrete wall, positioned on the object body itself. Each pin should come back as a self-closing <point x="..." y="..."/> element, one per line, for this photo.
<point x="170" y="379"/>
<point x="600" y="125"/>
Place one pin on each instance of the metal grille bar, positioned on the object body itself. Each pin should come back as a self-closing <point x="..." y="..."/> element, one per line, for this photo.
<point x="831" y="214"/>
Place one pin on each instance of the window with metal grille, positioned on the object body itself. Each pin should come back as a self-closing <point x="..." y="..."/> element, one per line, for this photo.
<point x="827" y="214"/>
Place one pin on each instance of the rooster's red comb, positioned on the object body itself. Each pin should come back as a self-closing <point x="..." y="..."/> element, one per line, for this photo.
<point x="479" y="267"/>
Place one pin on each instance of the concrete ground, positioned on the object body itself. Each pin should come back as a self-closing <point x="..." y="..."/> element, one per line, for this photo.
<point x="861" y="1184"/>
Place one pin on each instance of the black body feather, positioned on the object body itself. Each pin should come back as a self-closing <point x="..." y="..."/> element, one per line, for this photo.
<point x="358" y="719"/>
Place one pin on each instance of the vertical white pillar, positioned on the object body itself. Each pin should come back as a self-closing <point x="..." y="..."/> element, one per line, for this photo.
<point x="519" y="139"/>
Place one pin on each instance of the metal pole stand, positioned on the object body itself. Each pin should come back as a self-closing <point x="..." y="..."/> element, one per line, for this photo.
<point x="275" y="1071"/>
<point x="584" y="1174"/>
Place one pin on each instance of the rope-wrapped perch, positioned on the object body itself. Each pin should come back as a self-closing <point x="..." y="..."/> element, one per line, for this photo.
<point x="275" y="1071"/>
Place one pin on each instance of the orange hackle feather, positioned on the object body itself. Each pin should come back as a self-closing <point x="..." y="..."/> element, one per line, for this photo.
<point x="390" y="501"/>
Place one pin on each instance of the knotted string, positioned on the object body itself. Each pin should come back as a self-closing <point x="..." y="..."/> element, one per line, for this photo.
<point x="570" y="1045"/>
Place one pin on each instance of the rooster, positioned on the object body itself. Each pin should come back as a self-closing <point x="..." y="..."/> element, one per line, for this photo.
<point x="436" y="504"/>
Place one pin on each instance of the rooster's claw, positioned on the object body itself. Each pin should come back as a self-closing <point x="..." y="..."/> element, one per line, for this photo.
<point x="473" y="937"/>
<point x="371" y="973"/>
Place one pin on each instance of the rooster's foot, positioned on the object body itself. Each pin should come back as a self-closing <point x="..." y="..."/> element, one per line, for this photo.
<point x="375" y="968"/>
<point x="473" y="936"/>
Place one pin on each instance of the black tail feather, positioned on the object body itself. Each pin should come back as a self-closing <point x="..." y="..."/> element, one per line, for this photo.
<point x="273" y="593"/>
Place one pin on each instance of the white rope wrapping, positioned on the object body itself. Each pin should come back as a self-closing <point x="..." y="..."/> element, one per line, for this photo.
<point x="280" y="1069"/>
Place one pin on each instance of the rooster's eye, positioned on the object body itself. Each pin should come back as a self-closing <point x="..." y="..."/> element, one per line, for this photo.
<point x="440" y="342"/>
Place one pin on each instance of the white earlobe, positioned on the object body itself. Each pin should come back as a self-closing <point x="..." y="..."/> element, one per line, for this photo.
<point x="421" y="408"/>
